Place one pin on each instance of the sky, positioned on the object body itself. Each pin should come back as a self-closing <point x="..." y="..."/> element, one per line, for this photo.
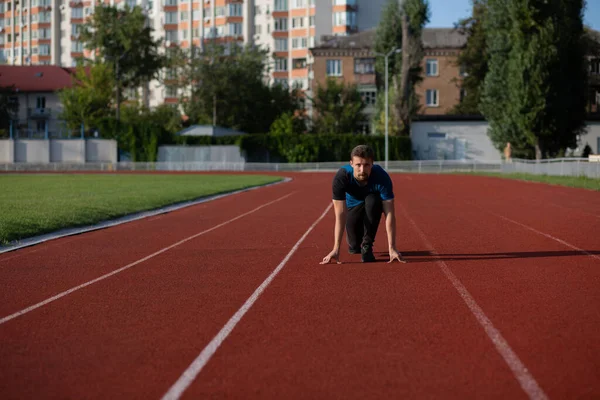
<point x="444" y="13"/>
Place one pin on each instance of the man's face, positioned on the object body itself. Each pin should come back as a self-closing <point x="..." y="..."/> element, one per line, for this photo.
<point x="362" y="168"/>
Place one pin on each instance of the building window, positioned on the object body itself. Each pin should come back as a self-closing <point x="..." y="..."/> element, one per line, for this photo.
<point x="283" y="82"/>
<point x="463" y="70"/>
<point x="235" y="10"/>
<point x="298" y="22"/>
<point x="595" y="66"/>
<point x="369" y="97"/>
<point x="281" y="5"/>
<point x="171" y="91"/>
<point x="170" y="18"/>
<point x="432" y="67"/>
<point x="299" y="84"/>
<point x="281" y="64"/>
<point x="299" y="43"/>
<point x="299" y="63"/>
<point x="281" y="44"/>
<point x="220" y="11"/>
<point x="334" y="67"/>
<point x="364" y="65"/>
<point x="281" y="24"/>
<point x="347" y="18"/>
<point x="235" y="29"/>
<point x="432" y="98"/>
<point x="463" y="94"/>
<point x="436" y="135"/>
<point x="299" y="3"/>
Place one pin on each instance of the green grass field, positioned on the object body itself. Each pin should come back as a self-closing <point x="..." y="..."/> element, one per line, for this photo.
<point x="571" y="181"/>
<point x="35" y="204"/>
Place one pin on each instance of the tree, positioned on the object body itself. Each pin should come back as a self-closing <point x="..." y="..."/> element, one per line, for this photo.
<point x="474" y="59"/>
<point x="122" y="37"/>
<point x="90" y="98"/>
<point x="387" y="37"/>
<point x="228" y="89"/>
<point x="288" y="124"/>
<point x="338" y="108"/>
<point x="401" y="28"/>
<point x="414" y="17"/>
<point x="8" y="109"/>
<point x="533" y="46"/>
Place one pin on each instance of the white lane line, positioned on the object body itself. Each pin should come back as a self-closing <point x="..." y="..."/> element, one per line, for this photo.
<point x="546" y="235"/>
<point x="526" y="380"/>
<point x="188" y="376"/>
<point x="76" y="288"/>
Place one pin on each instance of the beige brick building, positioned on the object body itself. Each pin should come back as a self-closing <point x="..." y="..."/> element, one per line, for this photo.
<point x="440" y="90"/>
<point x="351" y="59"/>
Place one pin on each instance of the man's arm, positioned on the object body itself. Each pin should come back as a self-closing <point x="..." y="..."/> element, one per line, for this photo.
<point x="339" y="207"/>
<point x="390" y="226"/>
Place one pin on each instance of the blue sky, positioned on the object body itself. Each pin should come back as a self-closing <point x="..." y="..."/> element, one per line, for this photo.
<point x="444" y="13"/>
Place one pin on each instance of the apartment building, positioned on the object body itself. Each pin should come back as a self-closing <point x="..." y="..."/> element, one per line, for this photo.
<point x="289" y="28"/>
<point x="34" y="32"/>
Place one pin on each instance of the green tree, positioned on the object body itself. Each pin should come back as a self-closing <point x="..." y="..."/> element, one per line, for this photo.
<point x="533" y="46"/>
<point x="401" y="27"/>
<point x="474" y="59"/>
<point x="288" y="124"/>
<point x="338" y="108"/>
<point x="122" y="37"/>
<point x="387" y="37"/>
<point x="228" y="89"/>
<point x="89" y="99"/>
<point x="8" y="109"/>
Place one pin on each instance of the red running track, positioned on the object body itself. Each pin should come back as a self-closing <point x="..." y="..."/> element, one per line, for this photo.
<point x="523" y="258"/>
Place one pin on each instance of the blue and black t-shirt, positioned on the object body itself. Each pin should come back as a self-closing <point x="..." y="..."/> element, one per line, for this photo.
<point x="346" y="187"/>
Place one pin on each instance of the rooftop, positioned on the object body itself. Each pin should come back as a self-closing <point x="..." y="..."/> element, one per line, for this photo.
<point x="35" y="78"/>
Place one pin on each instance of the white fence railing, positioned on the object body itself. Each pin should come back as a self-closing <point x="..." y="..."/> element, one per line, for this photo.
<point x="589" y="167"/>
<point x="393" y="166"/>
<point x="558" y="167"/>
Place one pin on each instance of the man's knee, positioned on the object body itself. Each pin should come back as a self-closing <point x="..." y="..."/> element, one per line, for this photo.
<point x="373" y="202"/>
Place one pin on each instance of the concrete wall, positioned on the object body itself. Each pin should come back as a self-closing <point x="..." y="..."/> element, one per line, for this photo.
<point x="199" y="153"/>
<point x="64" y="151"/>
<point x="469" y="140"/>
<point x="100" y="150"/>
<point x="67" y="151"/>
<point x="462" y="140"/>
<point x="592" y="137"/>
<point x="36" y="151"/>
<point x="7" y="151"/>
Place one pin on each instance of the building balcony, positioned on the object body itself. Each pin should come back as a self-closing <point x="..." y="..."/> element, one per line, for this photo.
<point x="39" y="112"/>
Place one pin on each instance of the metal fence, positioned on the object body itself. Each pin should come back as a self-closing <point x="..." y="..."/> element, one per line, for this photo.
<point x="555" y="167"/>
<point x="393" y="166"/>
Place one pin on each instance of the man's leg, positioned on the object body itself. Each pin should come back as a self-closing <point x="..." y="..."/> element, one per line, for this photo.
<point x="355" y="228"/>
<point x="373" y="210"/>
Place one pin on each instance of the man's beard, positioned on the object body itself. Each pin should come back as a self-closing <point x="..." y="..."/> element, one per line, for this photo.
<point x="362" y="177"/>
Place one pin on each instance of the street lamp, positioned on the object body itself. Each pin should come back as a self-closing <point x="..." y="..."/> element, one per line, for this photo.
<point x="386" y="56"/>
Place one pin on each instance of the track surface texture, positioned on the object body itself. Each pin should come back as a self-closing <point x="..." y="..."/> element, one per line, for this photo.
<point x="500" y="298"/>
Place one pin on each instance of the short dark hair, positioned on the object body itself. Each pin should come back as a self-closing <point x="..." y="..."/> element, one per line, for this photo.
<point x="363" y="151"/>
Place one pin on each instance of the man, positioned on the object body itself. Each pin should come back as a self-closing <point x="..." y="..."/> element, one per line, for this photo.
<point x="361" y="192"/>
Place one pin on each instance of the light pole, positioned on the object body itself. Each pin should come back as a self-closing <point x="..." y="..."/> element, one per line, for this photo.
<point x="387" y="95"/>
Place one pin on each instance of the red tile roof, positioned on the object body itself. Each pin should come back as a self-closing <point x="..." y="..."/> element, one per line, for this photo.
<point x="35" y="78"/>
